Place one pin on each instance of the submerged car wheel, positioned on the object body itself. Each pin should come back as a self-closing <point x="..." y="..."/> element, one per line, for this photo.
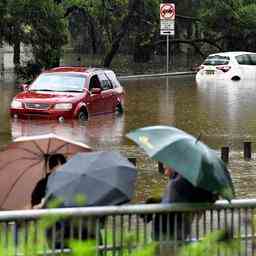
<point x="82" y="115"/>
<point x="119" y="108"/>
<point x="235" y="78"/>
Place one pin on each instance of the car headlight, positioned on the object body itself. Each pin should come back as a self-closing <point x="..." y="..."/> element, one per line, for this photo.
<point x="16" y="104"/>
<point x="63" y="106"/>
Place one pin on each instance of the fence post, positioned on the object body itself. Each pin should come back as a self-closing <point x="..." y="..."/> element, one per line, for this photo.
<point x="132" y="160"/>
<point x="225" y="154"/>
<point x="247" y="150"/>
<point x="160" y="168"/>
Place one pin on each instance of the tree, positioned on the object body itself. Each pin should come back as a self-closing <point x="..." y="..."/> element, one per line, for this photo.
<point x="231" y="23"/>
<point x="38" y="23"/>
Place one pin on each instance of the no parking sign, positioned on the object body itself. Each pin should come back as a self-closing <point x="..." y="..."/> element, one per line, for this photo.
<point x="167" y="19"/>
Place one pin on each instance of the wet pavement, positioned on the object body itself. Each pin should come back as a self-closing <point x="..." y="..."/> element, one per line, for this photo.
<point x="223" y="113"/>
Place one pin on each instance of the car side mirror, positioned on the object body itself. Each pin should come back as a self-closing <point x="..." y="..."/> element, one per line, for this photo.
<point x="24" y="87"/>
<point x="96" y="90"/>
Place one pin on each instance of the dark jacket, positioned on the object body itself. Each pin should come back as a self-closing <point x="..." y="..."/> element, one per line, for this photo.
<point x="60" y="234"/>
<point x="179" y="190"/>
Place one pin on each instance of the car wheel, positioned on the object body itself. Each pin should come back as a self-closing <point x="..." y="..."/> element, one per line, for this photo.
<point x="82" y="115"/>
<point x="119" y="108"/>
<point x="235" y="78"/>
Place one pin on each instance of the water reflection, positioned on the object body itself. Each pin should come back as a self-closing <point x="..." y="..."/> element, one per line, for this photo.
<point x="7" y="91"/>
<point x="222" y="112"/>
<point x="96" y="132"/>
<point x="230" y="111"/>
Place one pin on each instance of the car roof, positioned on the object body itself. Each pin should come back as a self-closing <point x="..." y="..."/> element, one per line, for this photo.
<point x="231" y="54"/>
<point x="76" y="70"/>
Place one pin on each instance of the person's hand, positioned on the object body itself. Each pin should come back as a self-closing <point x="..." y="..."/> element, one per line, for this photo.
<point x="40" y="205"/>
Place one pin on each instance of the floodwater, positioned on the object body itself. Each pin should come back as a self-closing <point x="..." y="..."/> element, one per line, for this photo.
<point x="222" y="113"/>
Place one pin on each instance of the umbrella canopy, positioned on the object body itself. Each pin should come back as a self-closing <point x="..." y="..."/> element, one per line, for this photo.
<point x="190" y="157"/>
<point x="24" y="162"/>
<point x="103" y="178"/>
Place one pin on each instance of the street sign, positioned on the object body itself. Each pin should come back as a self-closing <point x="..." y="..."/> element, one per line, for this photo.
<point x="167" y="19"/>
<point x="167" y="25"/>
<point x="167" y="11"/>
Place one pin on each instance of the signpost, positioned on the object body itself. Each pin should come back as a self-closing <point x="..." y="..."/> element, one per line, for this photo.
<point x="167" y="25"/>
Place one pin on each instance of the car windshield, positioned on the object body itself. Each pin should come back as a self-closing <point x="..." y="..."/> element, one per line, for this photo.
<point x="59" y="83"/>
<point x="215" y="60"/>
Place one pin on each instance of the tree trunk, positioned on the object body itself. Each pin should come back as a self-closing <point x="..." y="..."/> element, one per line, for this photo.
<point x="142" y="52"/>
<point x="123" y="29"/>
<point x="93" y="35"/>
<point x="16" y="54"/>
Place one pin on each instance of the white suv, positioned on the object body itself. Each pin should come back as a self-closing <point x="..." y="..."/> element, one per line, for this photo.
<point x="228" y="65"/>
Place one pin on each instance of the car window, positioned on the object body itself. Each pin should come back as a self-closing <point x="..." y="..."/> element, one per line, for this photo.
<point x="94" y="82"/>
<point x="215" y="60"/>
<point x="252" y="58"/>
<point x="243" y="59"/>
<point x="112" y="77"/>
<point x="59" y="82"/>
<point x="104" y="81"/>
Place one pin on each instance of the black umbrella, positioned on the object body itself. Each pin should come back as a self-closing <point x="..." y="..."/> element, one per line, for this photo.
<point x="103" y="178"/>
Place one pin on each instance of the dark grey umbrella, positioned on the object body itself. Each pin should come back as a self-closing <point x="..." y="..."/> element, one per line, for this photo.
<point x="103" y="178"/>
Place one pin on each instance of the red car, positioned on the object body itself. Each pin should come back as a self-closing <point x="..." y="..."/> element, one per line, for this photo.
<point x="69" y="92"/>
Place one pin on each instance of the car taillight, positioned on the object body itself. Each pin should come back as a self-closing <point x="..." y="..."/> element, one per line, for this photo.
<point x="200" y="67"/>
<point x="224" y="68"/>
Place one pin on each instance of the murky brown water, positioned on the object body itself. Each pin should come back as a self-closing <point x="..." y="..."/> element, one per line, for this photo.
<point x="222" y="112"/>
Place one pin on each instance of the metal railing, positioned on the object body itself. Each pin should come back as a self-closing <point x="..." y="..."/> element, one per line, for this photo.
<point x="124" y="228"/>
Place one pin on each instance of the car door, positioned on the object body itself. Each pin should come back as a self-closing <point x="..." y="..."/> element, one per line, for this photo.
<point x="95" y="105"/>
<point x="107" y="93"/>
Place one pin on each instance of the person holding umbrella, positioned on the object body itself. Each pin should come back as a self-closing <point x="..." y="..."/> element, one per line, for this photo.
<point x="178" y="190"/>
<point x="38" y="201"/>
<point x="102" y="178"/>
<point x="38" y="194"/>
<point x="202" y="175"/>
<point x="25" y="161"/>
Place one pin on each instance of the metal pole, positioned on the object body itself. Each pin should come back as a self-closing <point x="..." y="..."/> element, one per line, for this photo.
<point x="167" y="54"/>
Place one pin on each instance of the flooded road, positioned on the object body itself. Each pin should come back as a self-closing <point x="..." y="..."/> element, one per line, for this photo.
<point x="223" y="113"/>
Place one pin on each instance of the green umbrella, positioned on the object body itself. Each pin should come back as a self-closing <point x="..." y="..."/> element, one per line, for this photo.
<point x="190" y="157"/>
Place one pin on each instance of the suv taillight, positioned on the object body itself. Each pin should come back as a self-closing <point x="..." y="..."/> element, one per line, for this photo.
<point x="224" y="68"/>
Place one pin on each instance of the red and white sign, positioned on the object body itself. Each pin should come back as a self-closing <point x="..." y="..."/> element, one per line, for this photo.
<point x="167" y="19"/>
<point x="167" y="11"/>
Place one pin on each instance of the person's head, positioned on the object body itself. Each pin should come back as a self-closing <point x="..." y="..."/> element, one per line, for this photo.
<point x="169" y="171"/>
<point x="55" y="160"/>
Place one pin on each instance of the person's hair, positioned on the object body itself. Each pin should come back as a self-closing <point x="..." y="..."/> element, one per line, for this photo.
<point x="56" y="159"/>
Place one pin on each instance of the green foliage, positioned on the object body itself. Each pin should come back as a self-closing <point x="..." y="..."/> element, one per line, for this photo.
<point x="232" y="21"/>
<point x="38" y="23"/>
<point x="212" y="245"/>
<point x="80" y="248"/>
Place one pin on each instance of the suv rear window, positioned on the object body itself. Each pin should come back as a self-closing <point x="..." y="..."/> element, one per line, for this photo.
<point x="111" y="75"/>
<point x="215" y="60"/>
